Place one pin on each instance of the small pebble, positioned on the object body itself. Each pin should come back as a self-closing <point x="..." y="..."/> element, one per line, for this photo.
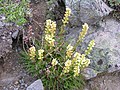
<point x="22" y="87"/>
<point x="26" y="85"/>
<point x="22" y="84"/>
<point x="16" y="83"/>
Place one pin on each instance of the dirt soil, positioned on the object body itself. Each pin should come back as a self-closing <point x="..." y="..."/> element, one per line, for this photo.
<point x="107" y="81"/>
<point x="12" y="74"/>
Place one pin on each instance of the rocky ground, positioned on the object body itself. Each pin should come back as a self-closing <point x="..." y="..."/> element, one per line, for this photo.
<point x="13" y="75"/>
<point x="109" y="81"/>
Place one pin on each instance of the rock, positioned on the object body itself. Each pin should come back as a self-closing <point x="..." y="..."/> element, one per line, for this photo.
<point x="100" y="59"/>
<point x="110" y="38"/>
<point x="37" y="85"/>
<point x="89" y="73"/>
<point x="2" y="17"/>
<point x="1" y="24"/>
<point x="15" y="34"/>
<point x="16" y="83"/>
<point x="105" y="56"/>
<point x="87" y="11"/>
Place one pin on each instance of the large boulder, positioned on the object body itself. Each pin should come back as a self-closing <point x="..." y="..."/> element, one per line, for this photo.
<point x="106" y="54"/>
<point x="87" y="11"/>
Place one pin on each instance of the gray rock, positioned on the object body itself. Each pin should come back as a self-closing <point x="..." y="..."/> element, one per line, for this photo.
<point x="99" y="59"/>
<point x="106" y="54"/>
<point x="89" y="73"/>
<point x="1" y="24"/>
<point x="37" y="85"/>
<point x="2" y="17"/>
<point x="109" y="38"/>
<point x="87" y="11"/>
<point x="15" y="34"/>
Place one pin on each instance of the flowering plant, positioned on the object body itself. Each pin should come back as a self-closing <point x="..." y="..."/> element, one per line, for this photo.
<point x="56" y="62"/>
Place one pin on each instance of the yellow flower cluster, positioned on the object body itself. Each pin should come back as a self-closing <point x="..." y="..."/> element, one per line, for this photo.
<point x="79" y="61"/>
<point x="54" y="62"/>
<point x="67" y="66"/>
<point x="69" y="51"/>
<point x="76" y="63"/>
<point x="84" y="62"/>
<point x="50" y="29"/>
<point x="66" y="15"/>
<point x="50" y="40"/>
<point x="32" y="52"/>
<point x="76" y="57"/>
<point x="84" y="31"/>
<point x="76" y="70"/>
<point x="90" y="47"/>
<point x="40" y="54"/>
<point x="68" y="63"/>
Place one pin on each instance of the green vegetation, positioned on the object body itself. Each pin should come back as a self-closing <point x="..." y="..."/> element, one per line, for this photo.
<point x="15" y="12"/>
<point x="114" y="2"/>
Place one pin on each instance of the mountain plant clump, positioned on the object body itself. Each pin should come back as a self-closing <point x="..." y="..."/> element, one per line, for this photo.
<point x="55" y="61"/>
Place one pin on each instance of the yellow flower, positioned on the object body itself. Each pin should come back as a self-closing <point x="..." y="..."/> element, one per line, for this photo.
<point x="69" y="51"/>
<point x="69" y="47"/>
<point x="66" y="15"/>
<point x="32" y="49"/>
<point x="85" y="26"/>
<point x="84" y="62"/>
<point x="48" y="22"/>
<point x="83" y="58"/>
<point x="48" y="37"/>
<point x="50" y="29"/>
<point x="50" y="40"/>
<point x="90" y="47"/>
<point x="77" y="55"/>
<point x="66" y="69"/>
<point x="32" y="52"/>
<point x="53" y="25"/>
<point x="40" y="54"/>
<point x="76" y="58"/>
<point x="80" y="60"/>
<point x="84" y="31"/>
<point x="76" y="70"/>
<point x="68" y="63"/>
<point x="54" y="62"/>
<point x="68" y="11"/>
<point x="87" y="62"/>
